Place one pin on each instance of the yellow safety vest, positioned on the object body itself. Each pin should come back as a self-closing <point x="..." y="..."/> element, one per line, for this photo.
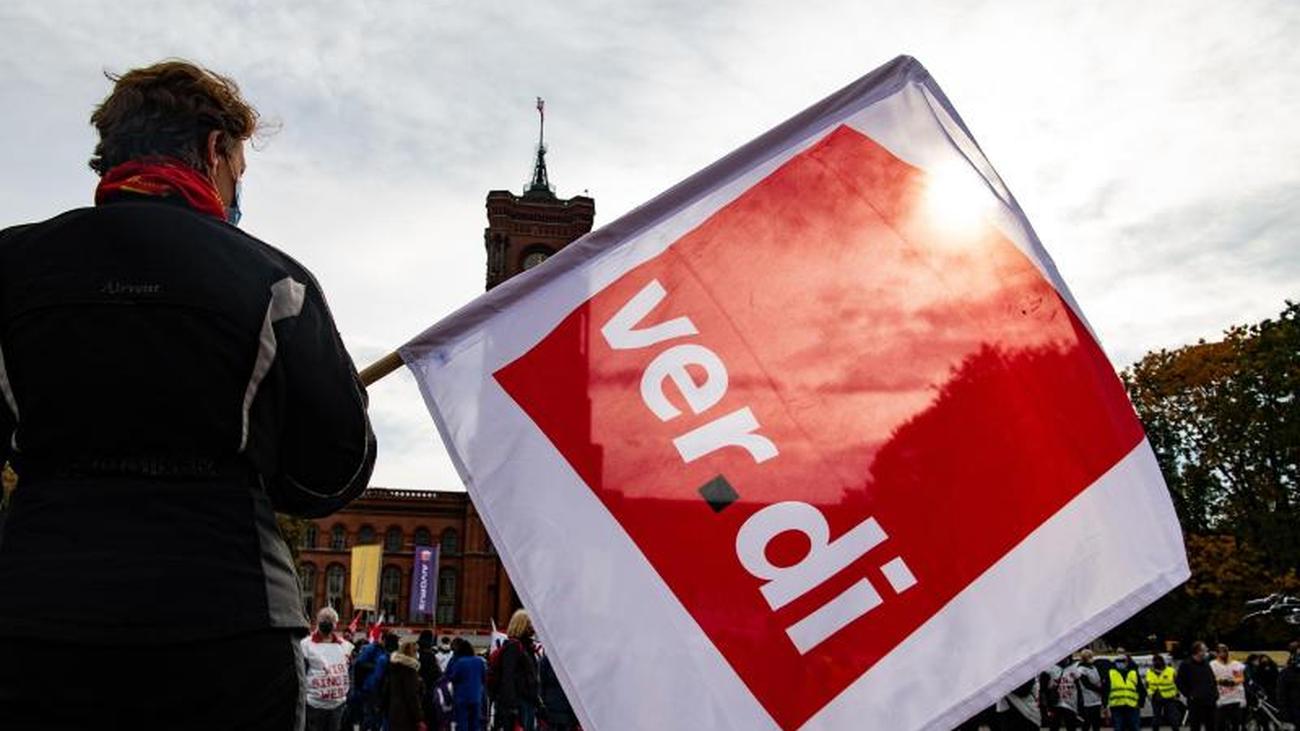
<point x="1162" y="684"/>
<point x="1123" y="689"/>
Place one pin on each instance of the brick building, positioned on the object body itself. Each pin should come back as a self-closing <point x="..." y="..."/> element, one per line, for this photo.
<point x="472" y="584"/>
<point x="522" y="232"/>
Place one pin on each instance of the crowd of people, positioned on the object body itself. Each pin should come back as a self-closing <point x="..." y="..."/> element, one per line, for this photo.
<point x="412" y="684"/>
<point x="1204" y="691"/>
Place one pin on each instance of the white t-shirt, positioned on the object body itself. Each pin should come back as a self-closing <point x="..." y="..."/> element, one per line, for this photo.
<point x="1067" y="683"/>
<point x="1230" y="670"/>
<point x="327" y="671"/>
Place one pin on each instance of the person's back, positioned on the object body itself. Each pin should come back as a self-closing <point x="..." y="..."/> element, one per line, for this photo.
<point x="168" y="383"/>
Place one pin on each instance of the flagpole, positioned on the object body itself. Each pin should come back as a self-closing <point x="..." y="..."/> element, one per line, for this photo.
<point x="380" y="368"/>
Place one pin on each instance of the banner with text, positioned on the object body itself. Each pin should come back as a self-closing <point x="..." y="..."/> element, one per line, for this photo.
<point x="424" y="581"/>
<point x="775" y="447"/>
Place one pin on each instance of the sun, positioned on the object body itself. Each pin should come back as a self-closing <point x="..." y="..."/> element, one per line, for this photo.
<point x="956" y="201"/>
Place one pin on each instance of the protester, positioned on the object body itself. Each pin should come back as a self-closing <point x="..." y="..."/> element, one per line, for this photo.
<point x="558" y="711"/>
<point x="430" y="676"/>
<point x="444" y="652"/>
<point x="1288" y="690"/>
<point x="1090" y="692"/>
<point x="1265" y="677"/>
<point x="516" y="698"/>
<point x="1125" y="693"/>
<point x="1230" y="676"/>
<point x="164" y="373"/>
<point x="403" y="689"/>
<point x="1195" y="680"/>
<point x="1161" y="681"/>
<point x="1063" y="700"/>
<point x="368" y="679"/>
<point x="326" y="657"/>
<point x="466" y="671"/>
<point x="1018" y="711"/>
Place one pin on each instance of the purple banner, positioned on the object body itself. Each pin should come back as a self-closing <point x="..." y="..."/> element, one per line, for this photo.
<point x="424" y="581"/>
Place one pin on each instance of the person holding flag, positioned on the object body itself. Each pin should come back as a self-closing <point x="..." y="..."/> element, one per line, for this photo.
<point x="168" y="374"/>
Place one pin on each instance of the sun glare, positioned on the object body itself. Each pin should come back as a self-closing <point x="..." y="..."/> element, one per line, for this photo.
<point x="956" y="199"/>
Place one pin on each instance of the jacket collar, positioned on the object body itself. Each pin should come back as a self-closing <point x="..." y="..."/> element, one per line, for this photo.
<point x="406" y="660"/>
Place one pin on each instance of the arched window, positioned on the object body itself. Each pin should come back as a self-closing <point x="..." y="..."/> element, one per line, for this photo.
<point x="307" y="587"/>
<point x="338" y="538"/>
<point x="309" y="536"/>
<point x="450" y="542"/>
<point x="366" y="535"/>
<point x="335" y="578"/>
<point x="446" y="594"/>
<point x="390" y="590"/>
<point x="422" y="536"/>
<point x="393" y="539"/>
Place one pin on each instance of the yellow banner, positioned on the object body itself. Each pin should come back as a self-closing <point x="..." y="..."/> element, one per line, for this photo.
<point x="365" y="576"/>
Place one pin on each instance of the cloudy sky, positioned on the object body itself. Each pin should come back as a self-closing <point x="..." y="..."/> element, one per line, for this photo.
<point x="1154" y="145"/>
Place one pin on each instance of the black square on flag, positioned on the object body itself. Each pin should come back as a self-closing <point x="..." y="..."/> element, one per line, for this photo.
<point x="718" y="493"/>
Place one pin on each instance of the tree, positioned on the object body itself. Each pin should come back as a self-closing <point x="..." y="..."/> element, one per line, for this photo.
<point x="1224" y="422"/>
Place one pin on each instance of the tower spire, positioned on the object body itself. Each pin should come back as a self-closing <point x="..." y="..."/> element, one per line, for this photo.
<point x="540" y="184"/>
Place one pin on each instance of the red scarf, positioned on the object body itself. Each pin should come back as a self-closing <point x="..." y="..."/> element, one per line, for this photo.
<point x="162" y="176"/>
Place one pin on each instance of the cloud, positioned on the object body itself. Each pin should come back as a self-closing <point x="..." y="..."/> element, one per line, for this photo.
<point x="1152" y="145"/>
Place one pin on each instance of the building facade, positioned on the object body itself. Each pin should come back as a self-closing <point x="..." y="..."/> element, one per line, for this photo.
<point x="473" y="588"/>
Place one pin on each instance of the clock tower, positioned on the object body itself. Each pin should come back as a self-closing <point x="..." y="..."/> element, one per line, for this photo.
<point x="524" y="230"/>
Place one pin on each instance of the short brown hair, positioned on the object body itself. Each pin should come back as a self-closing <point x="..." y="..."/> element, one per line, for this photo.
<point x="168" y="109"/>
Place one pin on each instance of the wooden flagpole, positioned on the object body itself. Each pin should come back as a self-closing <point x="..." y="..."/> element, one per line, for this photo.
<point x="380" y="368"/>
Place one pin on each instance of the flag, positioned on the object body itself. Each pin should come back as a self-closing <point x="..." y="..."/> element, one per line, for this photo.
<point x="810" y="430"/>
<point x="424" y="581"/>
<point x="352" y="626"/>
<point x="365" y="576"/>
<point x="498" y="637"/>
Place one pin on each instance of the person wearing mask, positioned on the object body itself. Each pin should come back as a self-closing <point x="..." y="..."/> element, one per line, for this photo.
<point x="1125" y="693"/>
<point x="1230" y="677"/>
<point x="1288" y="690"/>
<point x="444" y="652"/>
<point x="1195" y="680"/>
<point x="402" y="688"/>
<point x="326" y="655"/>
<point x="466" y="671"/>
<point x="167" y="374"/>
<point x="558" y="711"/>
<point x="517" y="699"/>
<point x="1162" y="682"/>
<point x="1090" y="692"/>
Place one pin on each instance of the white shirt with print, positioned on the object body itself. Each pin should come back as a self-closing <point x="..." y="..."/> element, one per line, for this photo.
<point x="327" y="671"/>
<point x="1230" y="670"/>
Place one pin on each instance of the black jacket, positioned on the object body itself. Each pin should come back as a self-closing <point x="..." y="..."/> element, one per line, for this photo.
<point x="1288" y="693"/>
<point x="519" y="674"/>
<point x="1195" y="680"/>
<point x="166" y="382"/>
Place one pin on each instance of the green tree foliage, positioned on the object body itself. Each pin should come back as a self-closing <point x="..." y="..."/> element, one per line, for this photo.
<point x="1224" y="421"/>
<point x="292" y="530"/>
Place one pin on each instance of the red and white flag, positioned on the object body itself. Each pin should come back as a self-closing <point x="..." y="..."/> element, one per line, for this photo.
<point x="816" y="439"/>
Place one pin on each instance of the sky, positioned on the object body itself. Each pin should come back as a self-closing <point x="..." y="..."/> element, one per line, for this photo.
<point x="1154" y="146"/>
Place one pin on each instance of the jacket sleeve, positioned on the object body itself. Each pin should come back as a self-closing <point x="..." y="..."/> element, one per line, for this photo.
<point x="327" y="448"/>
